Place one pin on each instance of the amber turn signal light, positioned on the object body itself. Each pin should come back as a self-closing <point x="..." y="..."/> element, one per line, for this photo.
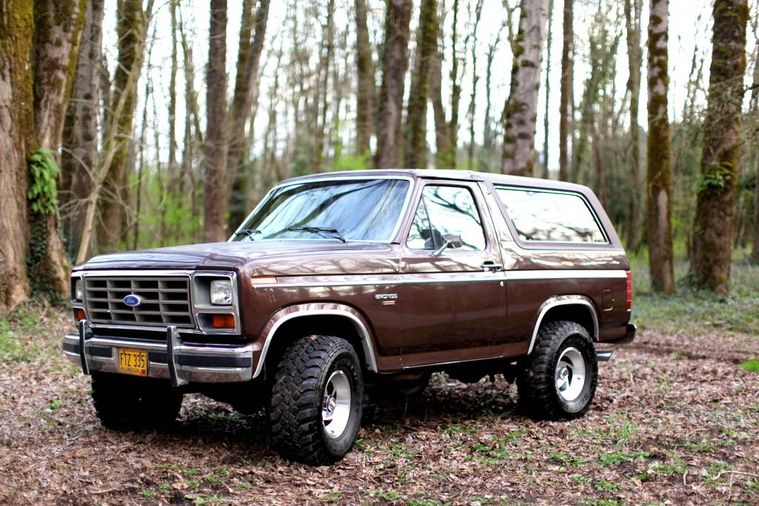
<point x="79" y="313"/>
<point x="223" y="321"/>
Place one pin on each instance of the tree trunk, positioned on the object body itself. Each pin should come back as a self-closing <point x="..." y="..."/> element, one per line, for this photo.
<point x="394" y="63"/>
<point x="488" y="133"/>
<point x="321" y="98"/>
<point x="522" y="106"/>
<point x="565" y="101"/>
<point x="131" y="30"/>
<point x="415" y="145"/>
<point x="79" y="156"/>
<point x="659" y="173"/>
<point x="546" y="123"/>
<point x="365" y="85"/>
<point x="442" y="141"/>
<point x="215" y="147"/>
<point x="237" y="178"/>
<point x="16" y="142"/>
<point x="474" y="50"/>
<point x="448" y="161"/>
<point x="58" y="26"/>
<point x="755" y="110"/>
<point x="715" y="205"/>
<point x="633" y="10"/>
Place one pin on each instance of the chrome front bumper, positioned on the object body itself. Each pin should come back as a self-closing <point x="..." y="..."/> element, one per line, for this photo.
<point x="173" y="360"/>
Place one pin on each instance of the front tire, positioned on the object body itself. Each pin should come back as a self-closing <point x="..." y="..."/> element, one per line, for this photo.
<point x="560" y="377"/>
<point x="129" y="403"/>
<point x="316" y="400"/>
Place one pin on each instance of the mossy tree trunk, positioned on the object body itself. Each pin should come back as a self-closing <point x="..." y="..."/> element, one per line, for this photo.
<point x="565" y="102"/>
<point x="415" y="135"/>
<point x="58" y="26"/>
<point x="521" y="108"/>
<point x="448" y="157"/>
<point x="715" y="204"/>
<point x="237" y="175"/>
<point x="16" y="142"/>
<point x="215" y="140"/>
<point x="659" y="173"/>
<point x="755" y="110"/>
<point x="394" y="65"/>
<point x="633" y="9"/>
<point x="131" y="29"/>
<point x="365" y="81"/>
<point x="79" y="156"/>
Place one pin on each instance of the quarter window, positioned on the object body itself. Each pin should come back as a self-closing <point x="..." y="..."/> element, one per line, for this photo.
<point x="551" y="216"/>
<point x="446" y="210"/>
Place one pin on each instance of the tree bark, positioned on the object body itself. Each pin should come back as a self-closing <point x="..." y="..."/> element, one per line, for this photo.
<point x="659" y="173"/>
<point x="474" y="50"/>
<point x="522" y="106"/>
<point x="215" y="147"/>
<point x="547" y="112"/>
<point x="565" y="101"/>
<point x="633" y="10"/>
<point x="442" y="141"/>
<point x="755" y="109"/>
<point x="448" y="160"/>
<point x="79" y="156"/>
<point x="394" y="63"/>
<point x="715" y="204"/>
<point x="16" y="142"/>
<point x="58" y="26"/>
<point x="415" y="145"/>
<point x="237" y="178"/>
<point x="365" y="84"/>
<point x="321" y="99"/>
<point x="131" y="29"/>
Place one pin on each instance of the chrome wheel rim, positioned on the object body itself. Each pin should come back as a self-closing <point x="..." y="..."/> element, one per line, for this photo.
<point x="336" y="405"/>
<point x="570" y="374"/>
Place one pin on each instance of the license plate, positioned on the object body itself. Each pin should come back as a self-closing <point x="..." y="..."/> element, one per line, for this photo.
<point x="133" y="362"/>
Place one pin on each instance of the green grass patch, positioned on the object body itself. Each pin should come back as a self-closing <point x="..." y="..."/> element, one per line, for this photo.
<point x="751" y="365"/>
<point x="622" y="457"/>
<point x="18" y="330"/>
<point x="697" y="311"/>
<point x="605" y="486"/>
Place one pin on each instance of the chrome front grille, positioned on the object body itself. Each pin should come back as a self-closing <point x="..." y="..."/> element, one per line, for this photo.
<point x="164" y="300"/>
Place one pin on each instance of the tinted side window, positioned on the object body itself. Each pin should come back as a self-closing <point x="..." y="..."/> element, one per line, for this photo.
<point x="446" y="210"/>
<point x="551" y="216"/>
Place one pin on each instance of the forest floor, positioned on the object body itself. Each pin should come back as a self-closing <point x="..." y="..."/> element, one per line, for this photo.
<point x="675" y="420"/>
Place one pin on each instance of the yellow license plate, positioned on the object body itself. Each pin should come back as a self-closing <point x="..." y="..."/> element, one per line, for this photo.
<point x="133" y="362"/>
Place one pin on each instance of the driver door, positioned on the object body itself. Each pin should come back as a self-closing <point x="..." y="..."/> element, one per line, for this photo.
<point x="452" y="297"/>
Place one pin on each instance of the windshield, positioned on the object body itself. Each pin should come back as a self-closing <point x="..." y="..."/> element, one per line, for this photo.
<point x="353" y="210"/>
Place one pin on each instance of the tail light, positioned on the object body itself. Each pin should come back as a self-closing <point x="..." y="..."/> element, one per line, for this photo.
<point x="629" y="291"/>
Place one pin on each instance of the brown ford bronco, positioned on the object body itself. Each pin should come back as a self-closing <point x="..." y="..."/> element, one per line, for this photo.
<point x="371" y="278"/>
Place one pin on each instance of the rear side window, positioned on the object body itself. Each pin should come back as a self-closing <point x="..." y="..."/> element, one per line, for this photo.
<point x="541" y="215"/>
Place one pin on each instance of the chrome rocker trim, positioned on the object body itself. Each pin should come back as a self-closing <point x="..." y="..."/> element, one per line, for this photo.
<point x="178" y="362"/>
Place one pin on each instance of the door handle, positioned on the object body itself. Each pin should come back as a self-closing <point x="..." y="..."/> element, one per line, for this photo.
<point x="491" y="266"/>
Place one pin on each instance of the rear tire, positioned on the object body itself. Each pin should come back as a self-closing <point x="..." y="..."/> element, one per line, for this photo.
<point x="560" y="376"/>
<point x="129" y="403"/>
<point x="316" y="400"/>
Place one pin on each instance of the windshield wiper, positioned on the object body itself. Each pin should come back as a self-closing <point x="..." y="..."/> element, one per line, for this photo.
<point x="247" y="232"/>
<point x="319" y="230"/>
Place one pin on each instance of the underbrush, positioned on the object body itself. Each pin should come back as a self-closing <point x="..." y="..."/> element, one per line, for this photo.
<point x="21" y="331"/>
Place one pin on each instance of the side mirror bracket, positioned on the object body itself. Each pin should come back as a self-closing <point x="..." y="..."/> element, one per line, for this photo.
<point x="449" y="241"/>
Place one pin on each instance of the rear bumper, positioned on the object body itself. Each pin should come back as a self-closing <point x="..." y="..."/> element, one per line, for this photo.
<point x="628" y="337"/>
<point x="174" y="360"/>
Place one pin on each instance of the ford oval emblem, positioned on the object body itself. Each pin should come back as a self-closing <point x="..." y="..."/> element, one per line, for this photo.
<point x="132" y="300"/>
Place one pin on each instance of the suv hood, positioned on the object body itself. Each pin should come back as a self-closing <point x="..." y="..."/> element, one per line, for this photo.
<point x="272" y="258"/>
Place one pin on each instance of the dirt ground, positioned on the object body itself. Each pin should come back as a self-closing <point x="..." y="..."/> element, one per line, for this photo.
<point x="675" y="420"/>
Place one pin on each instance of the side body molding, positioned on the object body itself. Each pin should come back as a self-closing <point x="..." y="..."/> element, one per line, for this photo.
<point x="318" y="309"/>
<point x="564" y="300"/>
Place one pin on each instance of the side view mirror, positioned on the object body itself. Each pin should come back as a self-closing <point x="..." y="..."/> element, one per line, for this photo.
<point x="449" y="241"/>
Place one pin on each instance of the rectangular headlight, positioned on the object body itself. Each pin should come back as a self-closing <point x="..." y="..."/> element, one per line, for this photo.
<point x="78" y="294"/>
<point x="221" y="292"/>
